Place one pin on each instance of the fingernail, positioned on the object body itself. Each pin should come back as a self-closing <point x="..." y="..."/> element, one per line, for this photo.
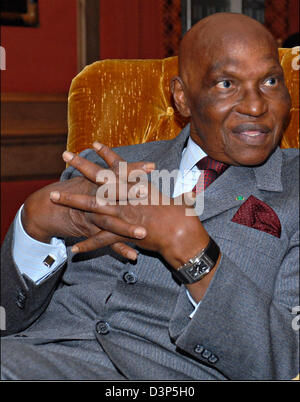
<point x="75" y="249"/>
<point x="97" y="145"/>
<point x="191" y="194"/>
<point x="67" y="156"/>
<point x="140" y="233"/>
<point x="143" y="191"/>
<point x="148" y="167"/>
<point x="54" y="195"/>
<point x="132" y="255"/>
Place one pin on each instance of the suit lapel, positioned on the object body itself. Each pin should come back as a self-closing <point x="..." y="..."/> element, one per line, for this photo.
<point x="236" y="184"/>
<point x="231" y="189"/>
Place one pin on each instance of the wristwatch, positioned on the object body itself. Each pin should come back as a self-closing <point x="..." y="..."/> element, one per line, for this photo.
<point x="199" y="266"/>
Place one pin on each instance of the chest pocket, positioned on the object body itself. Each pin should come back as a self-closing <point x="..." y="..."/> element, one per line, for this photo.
<point x="256" y="253"/>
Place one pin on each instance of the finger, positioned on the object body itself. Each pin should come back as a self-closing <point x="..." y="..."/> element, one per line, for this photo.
<point x="118" y="226"/>
<point x="105" y="200"/>
<point x="146" y="166"/>
<point x="107" y="154"/>
<point x="124" y="250"/>
<point x="89" y="204"/>
<point x="86" y="167"/>
<point x="99" y="240"/>
<point x="83" y="202"/>
<point x="113" y="160"/>
<point x="110" y="193"/>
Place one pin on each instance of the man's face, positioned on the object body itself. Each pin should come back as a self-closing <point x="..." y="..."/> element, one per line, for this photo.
<point x="238" y="101"/>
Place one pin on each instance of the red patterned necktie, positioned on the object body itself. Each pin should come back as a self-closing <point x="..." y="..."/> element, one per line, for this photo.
<point x="211" y="169"/>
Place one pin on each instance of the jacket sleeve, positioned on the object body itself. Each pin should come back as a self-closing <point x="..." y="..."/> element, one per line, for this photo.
<point x="22" y="300"/>
<point x="243" y="332"/>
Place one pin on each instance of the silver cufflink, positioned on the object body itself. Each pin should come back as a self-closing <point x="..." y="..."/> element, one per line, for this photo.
<point x="48" y="261"/>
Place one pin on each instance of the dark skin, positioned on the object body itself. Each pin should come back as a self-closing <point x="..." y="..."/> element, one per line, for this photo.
<point x="164" y="215"/>
<point x="231" y="85"/>
<point x="233" y="90"/>
<point x="42" y="219"/>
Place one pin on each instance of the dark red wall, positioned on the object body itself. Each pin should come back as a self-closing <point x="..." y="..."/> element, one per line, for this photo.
<point x="131" y="29"/>
<point x="42" y="59"/>
<point x="293" y="16"/>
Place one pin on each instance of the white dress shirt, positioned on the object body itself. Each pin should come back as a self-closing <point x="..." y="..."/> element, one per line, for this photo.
<point x="29" y="254"/>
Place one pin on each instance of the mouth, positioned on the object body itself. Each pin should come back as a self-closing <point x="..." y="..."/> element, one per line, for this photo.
<point x="251" y="134"/>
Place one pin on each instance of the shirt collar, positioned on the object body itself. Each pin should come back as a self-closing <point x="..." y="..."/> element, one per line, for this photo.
<point x="190" y="156"/>
<point x="268" y="175"/>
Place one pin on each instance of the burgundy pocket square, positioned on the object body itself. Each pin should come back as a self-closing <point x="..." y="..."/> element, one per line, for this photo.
<point x="257" y="215"/>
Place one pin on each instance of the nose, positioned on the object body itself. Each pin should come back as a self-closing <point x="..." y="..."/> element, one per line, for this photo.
<point x="252" y="103"/>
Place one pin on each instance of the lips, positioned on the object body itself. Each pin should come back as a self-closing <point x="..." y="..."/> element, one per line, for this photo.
<point x="251" y="134"/>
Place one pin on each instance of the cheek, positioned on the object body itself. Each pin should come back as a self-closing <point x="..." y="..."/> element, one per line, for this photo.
<point x="281" y="109"/>
<point x="209" y="115"/>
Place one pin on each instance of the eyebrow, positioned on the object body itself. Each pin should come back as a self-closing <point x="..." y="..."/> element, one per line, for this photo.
<point x="221" y="64"/>
<point x="225" y="65"/>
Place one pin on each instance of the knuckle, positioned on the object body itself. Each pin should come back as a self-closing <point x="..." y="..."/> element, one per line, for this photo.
<point x="91" y="243"/>
<point x="119" y="247"/>
<point x="66" y="196"/>
<point x="77" y="160"/>
<point x="116" y="166"/>
<point x="96" y="240"/>
<point x="104" y="150"/>
<point x="105" y="220"/>
<point x="93" y="203"/>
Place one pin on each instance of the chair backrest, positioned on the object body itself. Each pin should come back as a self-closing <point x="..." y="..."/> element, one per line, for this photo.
<point x="124" y="102"/>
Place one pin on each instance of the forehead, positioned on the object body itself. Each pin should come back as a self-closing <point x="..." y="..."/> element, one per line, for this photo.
<point x="242" y="63"/>
<point x="236" y="55"/>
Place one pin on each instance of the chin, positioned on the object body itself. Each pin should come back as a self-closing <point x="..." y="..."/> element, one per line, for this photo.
<point x="254" y="159"/>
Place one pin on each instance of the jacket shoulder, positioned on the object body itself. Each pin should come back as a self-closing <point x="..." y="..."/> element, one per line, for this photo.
<point x="291" y="156"/>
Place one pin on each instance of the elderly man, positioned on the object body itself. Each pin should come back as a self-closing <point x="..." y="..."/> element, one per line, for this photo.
<point x="154" y="292"/>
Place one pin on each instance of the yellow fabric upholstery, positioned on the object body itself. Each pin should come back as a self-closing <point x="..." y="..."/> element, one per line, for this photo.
<point x="123" y="102"/>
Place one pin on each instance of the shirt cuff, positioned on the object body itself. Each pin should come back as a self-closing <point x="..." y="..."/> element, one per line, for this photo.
<point x="193" y="303"/>
<point x="33" y="258"/>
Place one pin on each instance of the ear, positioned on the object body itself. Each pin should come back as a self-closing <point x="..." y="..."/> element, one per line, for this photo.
<point x="177" y="88"/>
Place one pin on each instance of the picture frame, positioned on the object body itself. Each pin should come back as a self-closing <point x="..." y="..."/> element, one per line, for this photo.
<point x="22" y="13"/>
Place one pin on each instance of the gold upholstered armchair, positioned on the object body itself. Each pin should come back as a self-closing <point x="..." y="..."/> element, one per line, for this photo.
<point x="123" y="102"/>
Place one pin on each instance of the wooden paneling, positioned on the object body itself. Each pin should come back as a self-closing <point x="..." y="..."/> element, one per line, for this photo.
<point x="33" y="136"/>
<point x="88" y="40"/>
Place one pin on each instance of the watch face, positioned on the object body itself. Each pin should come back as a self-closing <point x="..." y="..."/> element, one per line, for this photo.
<point x="197" y="269"/>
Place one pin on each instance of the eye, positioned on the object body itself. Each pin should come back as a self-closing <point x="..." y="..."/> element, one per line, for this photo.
<point x="271" y="82"/>
<point x="224" y="84"/>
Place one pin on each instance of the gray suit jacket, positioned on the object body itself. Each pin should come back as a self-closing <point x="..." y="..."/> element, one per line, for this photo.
<point x="242" y="329"/>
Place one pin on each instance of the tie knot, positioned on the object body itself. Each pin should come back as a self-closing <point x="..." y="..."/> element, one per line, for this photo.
<point x="208" y="163"/>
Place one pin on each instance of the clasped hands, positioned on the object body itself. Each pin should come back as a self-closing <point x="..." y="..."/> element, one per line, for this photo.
<point x="74" y="208"/>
